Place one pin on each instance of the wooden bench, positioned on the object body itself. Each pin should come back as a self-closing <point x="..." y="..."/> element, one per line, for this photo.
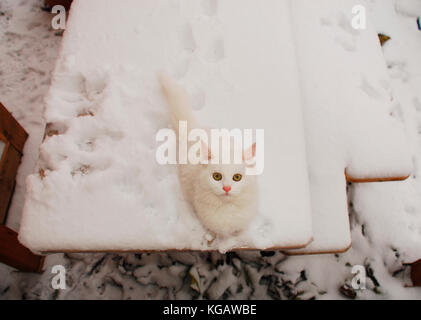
<point x="12" y="140"/>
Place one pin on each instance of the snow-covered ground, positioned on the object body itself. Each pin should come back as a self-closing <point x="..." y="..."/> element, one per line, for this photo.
<point x="28" y="49"/>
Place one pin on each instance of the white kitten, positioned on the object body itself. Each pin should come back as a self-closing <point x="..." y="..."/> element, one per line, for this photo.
<point x="223" y="196"/>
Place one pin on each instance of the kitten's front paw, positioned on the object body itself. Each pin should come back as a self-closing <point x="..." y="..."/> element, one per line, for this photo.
<point x="210" y="237"/>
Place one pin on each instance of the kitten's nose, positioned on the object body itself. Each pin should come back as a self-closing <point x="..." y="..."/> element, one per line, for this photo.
<point x="226" y="189"/>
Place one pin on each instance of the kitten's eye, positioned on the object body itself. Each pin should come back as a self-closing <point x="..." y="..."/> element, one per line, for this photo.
<point x="237" y="177"/>
<point x="217" y="176"/>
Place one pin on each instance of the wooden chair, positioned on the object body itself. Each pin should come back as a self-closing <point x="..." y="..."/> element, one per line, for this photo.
<point x="12" y="140"/>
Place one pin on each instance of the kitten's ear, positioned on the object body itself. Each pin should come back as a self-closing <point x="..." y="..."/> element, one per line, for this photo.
<point x="250" y="153"/>
<point x="206" y="153"/>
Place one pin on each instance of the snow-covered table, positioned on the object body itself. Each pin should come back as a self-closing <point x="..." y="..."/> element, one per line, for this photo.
<point x="99" y="186"/>
<point x="247" y="65"/>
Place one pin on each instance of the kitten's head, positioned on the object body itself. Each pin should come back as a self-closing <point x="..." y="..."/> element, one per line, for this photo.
<point x="227" y="180"/>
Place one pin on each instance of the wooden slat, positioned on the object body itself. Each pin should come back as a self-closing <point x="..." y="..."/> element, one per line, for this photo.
<point x="349" y="178"/>
<point x="13" y="253"/>
<point x="416" y="273"/>
<point x="8" y="171"/>
<point x="11" y="129"/>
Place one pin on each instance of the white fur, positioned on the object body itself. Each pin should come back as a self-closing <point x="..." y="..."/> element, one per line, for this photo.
<point x="220" y="213"/>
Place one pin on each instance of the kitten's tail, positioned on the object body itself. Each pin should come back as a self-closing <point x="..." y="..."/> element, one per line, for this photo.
<point x="178" y="101"/>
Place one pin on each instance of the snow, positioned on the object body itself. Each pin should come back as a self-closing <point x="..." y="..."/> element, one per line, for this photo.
<point x="26" y="59"/>
<point x="101" y="188"/>
<point x="395" y="206"/>
<point x="411" y="8"/>
<point x="347" y="105"/>
<point x="30" y="48"/>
